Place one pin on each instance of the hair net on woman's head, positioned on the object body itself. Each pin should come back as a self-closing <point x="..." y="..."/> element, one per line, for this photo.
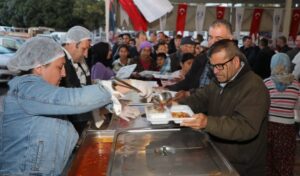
<point x="35" y="52"/>
<point x="77" y="34"/>
<point x="281" y="60"/>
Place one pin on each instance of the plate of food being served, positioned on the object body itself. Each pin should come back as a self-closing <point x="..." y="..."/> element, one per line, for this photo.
<point x="178" y="113"/>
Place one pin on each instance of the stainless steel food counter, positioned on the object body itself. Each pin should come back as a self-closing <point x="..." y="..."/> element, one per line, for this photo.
<point x="163" y="152"/>
<point x="139" y="148"/>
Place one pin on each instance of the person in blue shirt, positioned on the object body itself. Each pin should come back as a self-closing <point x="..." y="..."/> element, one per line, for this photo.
<point x="35" y="136"/>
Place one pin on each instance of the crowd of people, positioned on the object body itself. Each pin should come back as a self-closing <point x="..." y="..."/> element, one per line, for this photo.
<point x="244" y="98"/>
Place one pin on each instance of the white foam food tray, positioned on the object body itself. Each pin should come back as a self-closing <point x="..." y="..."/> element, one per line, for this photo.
<point x="164" y="117"/>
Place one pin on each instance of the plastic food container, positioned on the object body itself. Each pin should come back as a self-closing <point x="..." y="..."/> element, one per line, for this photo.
<point x="164" y="117"/>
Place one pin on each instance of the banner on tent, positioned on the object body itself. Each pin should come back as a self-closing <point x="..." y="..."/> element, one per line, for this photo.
<point x="277" y="20"/>
<point x="256" y="19"/>
<point x="295" y="23"/>
<point x="181" y="17"/>
<point x="199" y="18"/>
<point x="220" y="11"/>
<point x="239" y="14"/>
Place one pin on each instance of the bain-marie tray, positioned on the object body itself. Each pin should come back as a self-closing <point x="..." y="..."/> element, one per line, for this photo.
<point x="163" y="152"/>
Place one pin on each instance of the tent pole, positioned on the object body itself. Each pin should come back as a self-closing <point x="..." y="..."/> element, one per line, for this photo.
<point x="107" y="3"/>
<point x="287" y="18"/>
<point x="231" y="13"/>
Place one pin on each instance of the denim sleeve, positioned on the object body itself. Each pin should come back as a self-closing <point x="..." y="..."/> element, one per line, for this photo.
<point x="45" y="99"/>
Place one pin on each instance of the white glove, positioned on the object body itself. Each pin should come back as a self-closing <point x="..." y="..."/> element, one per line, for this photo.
<point x="146" y="90"/>
<point x="116" y="106"/>
<point x="129" y="112"/>
<point x="107" y="84"/>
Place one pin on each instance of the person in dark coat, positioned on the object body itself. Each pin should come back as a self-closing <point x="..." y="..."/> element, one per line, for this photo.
<point x="261" y="64"/>
<point x="187" y="45"/>
<point x="117" y="43"/>
<point x="217" y="30"/>
<point x="249" y="50"/>
<point x="191" y="82"/>
<point x="76" y="48"/>
<point x="229" y="111"/>
<point x="126" y="37"/>
<point x="174" y="44"/>
<point x="281" y="45"/>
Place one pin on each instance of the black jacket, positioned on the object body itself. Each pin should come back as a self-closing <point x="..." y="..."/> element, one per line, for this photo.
<point x="175" y="61"/>
<point x="284" y="49"/>
<point x="261" y="65"/>
<point x="250" y="53"/>
<point x="192" y="78"/>
<point x="71" y="81"/>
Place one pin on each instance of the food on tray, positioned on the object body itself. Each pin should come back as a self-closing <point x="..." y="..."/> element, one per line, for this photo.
<point x="156" y="109"/>
<point x="92" y="158"/>
<point x="159" y="107"/>
<point x="180" y="115"/>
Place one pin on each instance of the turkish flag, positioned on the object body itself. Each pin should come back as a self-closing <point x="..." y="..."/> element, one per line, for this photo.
<point x="256" y="18"/>
<point x="181" y="15"/>
<point x="220" y="11"/>
<point x="138" y="21"/>
<point x="295" y="23"/>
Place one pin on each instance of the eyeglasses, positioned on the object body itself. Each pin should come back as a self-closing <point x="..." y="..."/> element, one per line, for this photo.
<point x="219" y="66"/>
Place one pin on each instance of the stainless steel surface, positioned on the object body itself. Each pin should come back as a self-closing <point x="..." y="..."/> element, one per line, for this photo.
<point x="162" y="100"/>
<point x="134" y="99"/>
<point x="120" y="124"/>
<point x="162" y="97"/>
<point x="99" y="133"/>
<point x="175" y="151"/>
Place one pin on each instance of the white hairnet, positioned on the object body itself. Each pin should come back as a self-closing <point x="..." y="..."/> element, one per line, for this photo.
<point x="35" y="52"/>
<point x="62" y="39"/>
<point x="77" y="34"/>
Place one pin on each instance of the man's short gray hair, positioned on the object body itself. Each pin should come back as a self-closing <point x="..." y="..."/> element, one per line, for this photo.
<point x="230" y="48"/>
<point x="224" y="23"/>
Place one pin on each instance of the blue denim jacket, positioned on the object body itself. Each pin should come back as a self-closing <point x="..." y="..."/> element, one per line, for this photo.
<point x="34" y="138"/>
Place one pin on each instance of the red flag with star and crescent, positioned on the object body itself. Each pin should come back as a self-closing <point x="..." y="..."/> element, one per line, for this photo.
<point x="220" y="11"/>
<point x="181" y="15"/>
<point x="295" y="21"/>
<point x="256" y="19"/>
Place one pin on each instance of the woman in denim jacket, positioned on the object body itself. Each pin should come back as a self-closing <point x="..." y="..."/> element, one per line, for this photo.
<point x="35" y="139"/>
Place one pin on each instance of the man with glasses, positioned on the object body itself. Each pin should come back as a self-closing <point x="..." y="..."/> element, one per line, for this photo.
<point x="199" y="75"/>
<point x="233" y="109"/>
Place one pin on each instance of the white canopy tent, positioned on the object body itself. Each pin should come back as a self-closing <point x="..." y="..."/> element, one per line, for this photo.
<point x="210" y="15"/>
